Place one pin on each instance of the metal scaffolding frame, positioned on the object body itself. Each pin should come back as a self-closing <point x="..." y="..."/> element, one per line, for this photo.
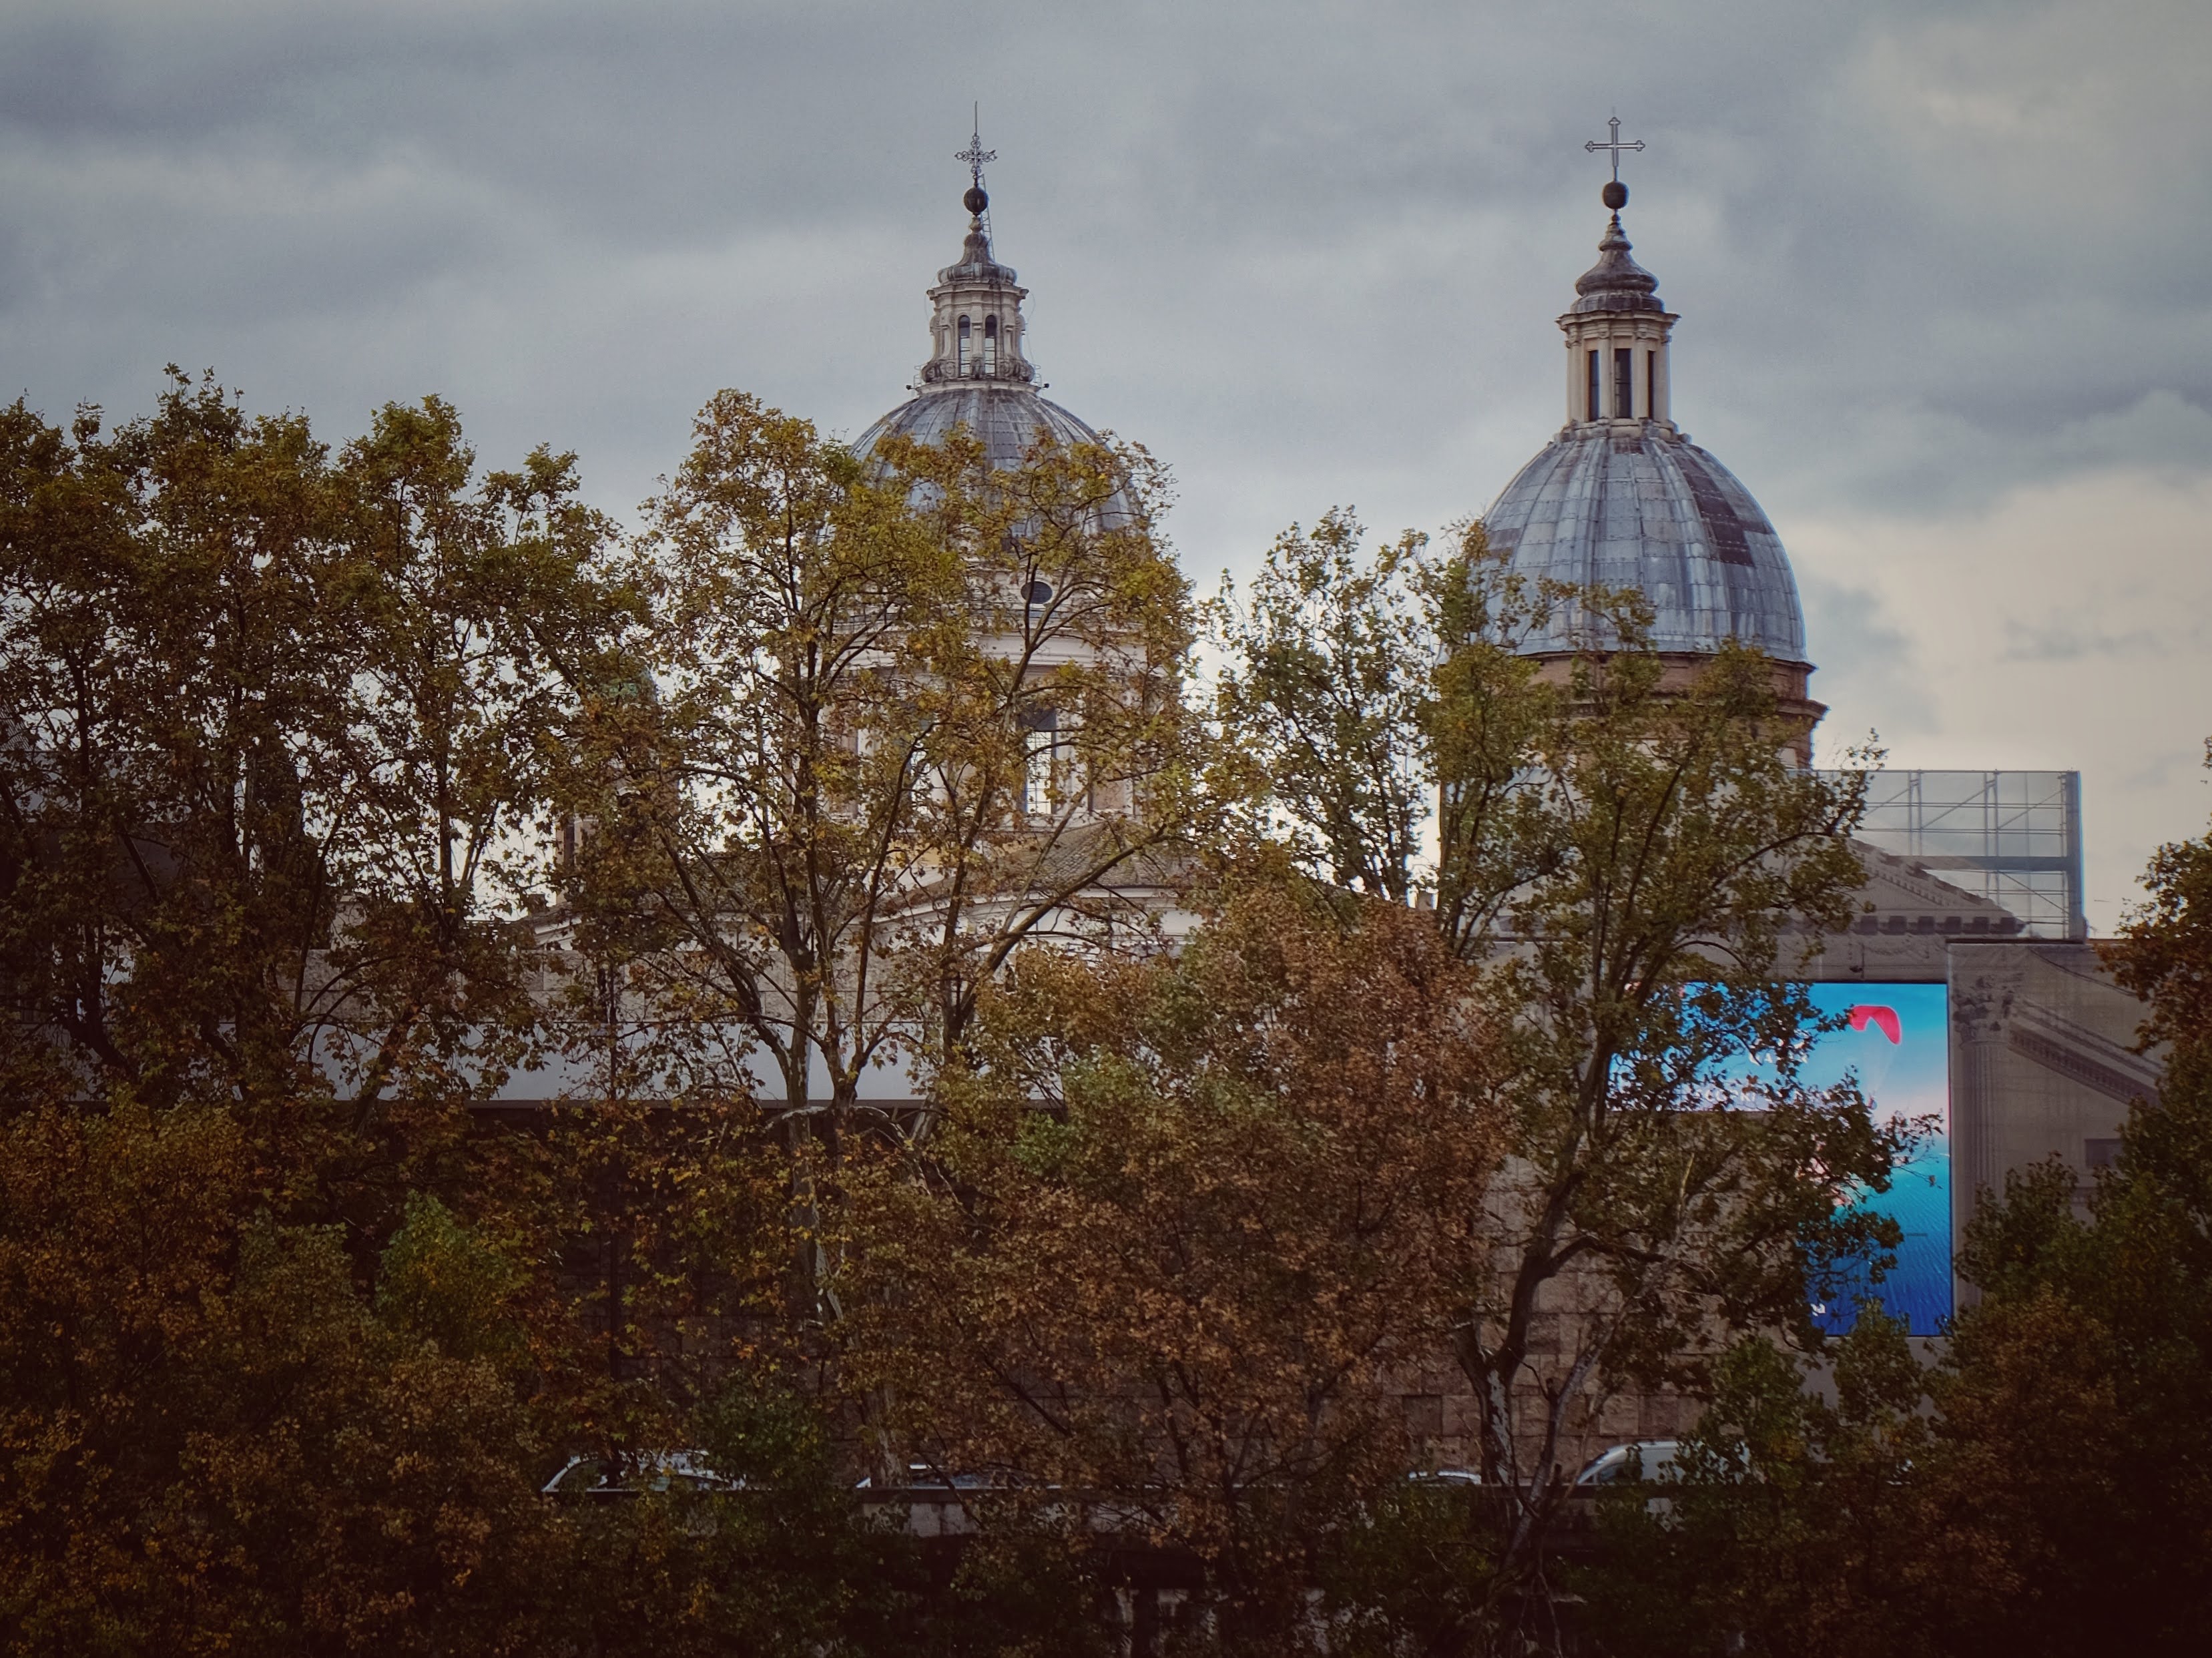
<point x="2014" y="837"/>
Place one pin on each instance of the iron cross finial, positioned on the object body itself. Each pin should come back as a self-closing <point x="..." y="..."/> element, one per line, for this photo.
<point x="1614" y="145"/>
<point x="975" y="155"/>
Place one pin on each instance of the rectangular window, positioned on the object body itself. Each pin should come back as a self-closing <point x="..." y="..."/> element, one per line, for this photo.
<point x="1424" y="1415"/>
<point x="1041" y="755"/>
<point x="1596" y="412"/>
<point x="1623" y="383"/>
<point x="1651" y="386"/>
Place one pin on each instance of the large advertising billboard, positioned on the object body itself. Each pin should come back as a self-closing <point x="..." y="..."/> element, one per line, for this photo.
<point x="1895" y="1039"/>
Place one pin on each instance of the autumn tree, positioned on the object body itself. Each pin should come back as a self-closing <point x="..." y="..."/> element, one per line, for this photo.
<point x="2046" y="1486"/>
<point x="215" y="1437"/>
<point x="1626" y="864"/>
<point x="285" y="1350"/>
<point x="2037" y="1489"/>
<point x="1323" y="665"/>
<point x="276" y="729"/>
<point x="897" y="718"/>
<point x="2076" y="1457"/>
<point x="1785" y="1522"/>
<point x="1188" y="1219"/>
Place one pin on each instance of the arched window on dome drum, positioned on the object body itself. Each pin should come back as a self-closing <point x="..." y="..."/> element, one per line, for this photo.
<point x="963" y="345"/>
<point x="990" y="345"/>
<point x="1596" y="411"/>
<point x="1623" y="383"/>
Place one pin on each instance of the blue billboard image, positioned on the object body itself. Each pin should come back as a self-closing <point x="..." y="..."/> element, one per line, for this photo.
<point x="1895" y="1038"/>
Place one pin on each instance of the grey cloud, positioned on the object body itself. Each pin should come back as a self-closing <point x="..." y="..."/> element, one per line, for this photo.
<point x="2161" y="429"/>
<point x="1925" y="254"/>
<point x="1868" y="668"/>
<point x="1243" y="223"/>
<point x="2061" y="642"/>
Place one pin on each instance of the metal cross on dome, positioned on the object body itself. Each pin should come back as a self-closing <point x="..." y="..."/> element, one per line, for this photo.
<point x="975" y="155"/>
<point x="1614" y="145"/>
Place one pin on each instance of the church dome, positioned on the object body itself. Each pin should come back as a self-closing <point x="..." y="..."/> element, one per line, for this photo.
<point x="1621" y="498"/>
<point x="978" y="374"/>
<point x="1006" y="419"/>
<point x="1645" y="508"/>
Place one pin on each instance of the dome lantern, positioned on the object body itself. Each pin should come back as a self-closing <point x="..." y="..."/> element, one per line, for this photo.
<point x="1617" y="329"/>
<point x="976" y="323"/>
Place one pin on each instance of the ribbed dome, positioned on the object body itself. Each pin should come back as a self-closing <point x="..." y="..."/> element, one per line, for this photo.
<point x="1640" y="507"/>
<point x="1622" y="500"/>
<point x="1008" y="419"/>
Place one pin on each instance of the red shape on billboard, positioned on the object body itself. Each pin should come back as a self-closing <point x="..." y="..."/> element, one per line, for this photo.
<point x="1883" y="1019"/>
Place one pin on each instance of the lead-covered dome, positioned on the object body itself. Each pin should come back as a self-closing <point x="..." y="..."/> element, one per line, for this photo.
<point x="1620" y="498"/>
<point x="1007" y="419"/>
<point x="1647" y="509"/>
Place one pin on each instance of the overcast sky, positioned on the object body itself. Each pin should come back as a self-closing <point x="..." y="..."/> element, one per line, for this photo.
<point x="1943" y="273"/>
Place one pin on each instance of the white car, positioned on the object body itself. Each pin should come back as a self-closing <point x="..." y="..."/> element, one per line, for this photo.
<point x="645" y="1470"/>
<point x="1640" y="1460"/>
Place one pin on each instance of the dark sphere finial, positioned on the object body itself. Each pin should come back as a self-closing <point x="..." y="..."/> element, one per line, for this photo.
<point x="975" y="201"/>
<point x="1616" y="195"/>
